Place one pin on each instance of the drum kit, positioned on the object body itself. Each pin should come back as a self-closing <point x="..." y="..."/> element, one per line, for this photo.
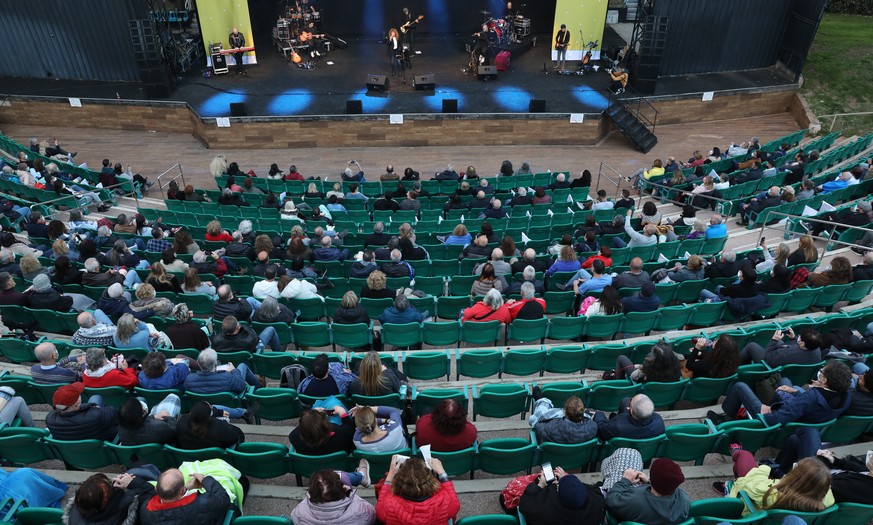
<point x="294" y="21"/>
<point x="504" y="31"/>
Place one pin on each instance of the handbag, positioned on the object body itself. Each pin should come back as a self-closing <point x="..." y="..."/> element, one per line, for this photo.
<point x="510" y="496"/>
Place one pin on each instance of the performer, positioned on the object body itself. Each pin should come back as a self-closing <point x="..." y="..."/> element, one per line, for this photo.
<point x="509" y="13"/>
<point x="238" y="40"/>
<point x="479" y="55"/>
<point x="408" y="21"/>
<point x="315" y="42"/>
<point x="618" y="80"/>
<point x="395" y="51"/>
<point x="562" y="42"/>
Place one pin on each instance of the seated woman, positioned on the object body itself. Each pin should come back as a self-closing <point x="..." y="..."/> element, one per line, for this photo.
<point x="146" y="299"/>
<point x="171" y="262"/>
<point x="721" y="360"/>
<point x="120" y="255"/>
<point x="779" y="282"/>
<point x="376" y="287"/>
<point x="273" y="312"/>
<point x="131" y="333"/>
<point x="693" y="270"/>
<point x="374" y="378"/>
<point x="137" y="425"/>
<point x="331" y="498"/>
<point x="660" y="365"/>
<point x="104" y="501"/>
<point x="411" y="489"/>
<point x="379" y="429"/>
<point x="609" y="303"/>
<point x="840" y="272"/>
<point x="605" y="255"/>
<point x="159" y="373"/>
<point x="202" y="428"/>
<point x="446" y="429"/>
<point x="193" y="285"/>
<point x="490" y="308"/>
<point x="65" y="273"/>
<point x="162" y="281"/>
<point x="350" y="310"/>
<point x="316" y="435"/>
<point x="781" y="257"/>
<point x="650" y="214"/>
<point x="487" y="281"/>
<point x="184" y="333"/>
<point x="60" y="248"/>
<point x="807" y="488"/>
<point x="698" y="230"/>
<point x="805" y="253"/>
<point x="460" y="236"/>
<point x="215" y="233"/>
<point x="566" y="262"/>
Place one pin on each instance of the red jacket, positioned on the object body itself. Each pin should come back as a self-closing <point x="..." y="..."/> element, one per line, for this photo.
<point x="426" y="434"/>
<point x="223" y="236"/>
<point x="436" y="510"/>
<point x="481" y="312"/>
<point x="125" y="378"/>
<point x="515" y="307"/>
<point x="607" y="261"/>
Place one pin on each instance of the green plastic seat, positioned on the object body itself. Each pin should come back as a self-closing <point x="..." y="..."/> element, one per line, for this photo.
<point x="558" y="302"/>
<point x="426" y="365"/>
<point x="181" y="455"/>
<point x="801" y="299"/>
<point x="431" y="397"/>
<point x="566" y="328"/>
<point x="801" y="374"/>
<point x="485" y="333"/>
<point x="17" y="350"/>
<point x="262" y="520"/>
<point x="847" y="428"/>
<point x="390" y="400"/>
<point x="566" y="359"/>
<point x="303" y="466"/>
<point x="39" y="392"/>
<point x="456" y="462"/>
<point x="478" y="363"/>
<point x="24" y="445"/>
<point x="260" y="460"/>
<point x="129" y="455"/>
<point x="380" y="462"/>
<point x="604" y="356"/>
<point x="283" y="330"/>
<point x="351" y="336"/>
<point x="504" y="456"/>
<point x="559" y="391"/>
<point x="850" y="514"/>
<point x="270" y="364"/>
<point x="375" y="307"/>
<point x="524" y="362"/>
<point x="39" y="516"/>
<point x="310" y="310"/>
<point x="639" y="322"/>
<point x="500" y="400"/>
<point x="604" y="326"/>
<point x="691" y="442"/>
<point x="648" y="448"/>
<point x="275" y="404"/>
<point x="527" y="330"/>
<point x="752" y="433"/>
<point x="308" y="335"/>
<point x="83" y="454"/>
<point x="716" y="510"/>
<point x="707" y="314"/>
<point x="607" y="395"/>
<point x="449" y="307"/>
<point x="707" y="390"/>
<point x="445" y="334"/>
<point x="113" y="396"/>
<point x="689" y="291"/>
<point x="665" y="394"/>
<point x="777" y="516"/>
<point x="401" y="335"/>
<point x="227" y="399"/>
<point x="569" y="456"/>
<point x="671" y="318"/>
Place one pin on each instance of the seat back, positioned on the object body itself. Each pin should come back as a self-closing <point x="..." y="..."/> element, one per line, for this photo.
<point x="524" y="361"/>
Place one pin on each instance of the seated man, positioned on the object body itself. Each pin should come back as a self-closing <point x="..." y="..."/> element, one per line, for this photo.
<point x="646" y="300"/>
<point x="102" y="372"/>
<point x="160" y="373"/>
<point x="269" y="287"/>
<point x="173" y="505"/>
<point x="862" y="396"/>
<point x="568" y="425"/>
<point x="529" y="275"/>
<point x="363" y="268"/>
<point x="94" y="277"/>
<point x="210" y="380"/>
<point x="71" y="420"/>
<point x="566" y="501"/>
<point x="828" y="397"/>
<point x="238" y="248"/>
<point x="501" y="267"/>
<point x="51" y="371"/>
<point x="805" y="349"/>
<point x="583" y="282"/>
<point x="529" y="307"/>
<point x="228" y="304"/>
<point x="327" y="252"/>
<point x="378" y="237"/>
<point x="635" y="277"/>
<point x="397" y="267"/>
<point x="655" y="499"/>
<point x="477" y="248"/>
<point x="636" y="419"/>
<point x="235" y="337"/>
<point x="327" y="378"/>
<point x="8" y="295"/>
<point x="528" y="258"/>
<point x="93" y="331"/>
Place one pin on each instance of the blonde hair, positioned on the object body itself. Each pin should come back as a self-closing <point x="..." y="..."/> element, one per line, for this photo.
<point x="29" y="264"/>
<point x="376" y="280"/>
<point x="695" y="262"/>
<point x="365" y="420"/>
<point x="214" y="227"/>
<point x="159" y="273"/>
<point x="460" y="230"/>
<point x="350" y="300"/>
<point x="59" y="247"/>
<point x="568" y="253"/>
<point x="145" y="291"/>
<point x="807" y="244"/>
<point x="218" y="166"/>
<point x="373" y="381"/>
<point x="803" y="489"/>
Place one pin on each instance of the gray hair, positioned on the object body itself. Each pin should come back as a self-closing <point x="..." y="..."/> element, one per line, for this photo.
<point x="527" y="290"/>
<point x="269" y="308"/>
<point x="237" y="236"/>
<point x="379" y="227"/>
<point x="226" y="192"/>
<point x="493" y="299"/>
<point x="729" y="256"/>
<point x="208" y="360"/>
<point x="401" y="302"/>
<point x="181" y="313"/>
<point x="245" y="227"/>
<point x="642" y="406"/>
<point x="522" y="191"/>
<point x="529" y="273"/>
<point x="76" y="215"/>
<point x="95" y="358"/>
<point x="104" y="231"/>
<point x="396" y="256"/>
<point x="92" y="265"/>
<point x="496" y="254"/>
<point x="127" y="327"/>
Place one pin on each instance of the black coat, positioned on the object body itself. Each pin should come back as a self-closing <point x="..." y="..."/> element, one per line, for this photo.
<point x="541" y="506"/>
<point x="121" y="508"/>
<point x="219" y="434"/>
<point x="49" y="299"/>
<point x="208" y="508"/>
<point x="351" y="315"/>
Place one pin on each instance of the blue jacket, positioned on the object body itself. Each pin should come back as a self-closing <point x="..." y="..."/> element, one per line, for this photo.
<point x="834" y="185"/>
<point x="216" y="382"/>
<point x="745" y="306"/>
<point x="563" y="266"/>
<point x="393" y="315"/>
<point x="459" y="240"/>
<point x="716" y="231"/>
<point x="173" y="378"/>
<point x="624" y="426"/>
<point x="115" y="307"/>
<point x="808" y="407"/>
<point x="638" y="303"/>
<point x="141" y="339"/>
<point x="329" y="254"/>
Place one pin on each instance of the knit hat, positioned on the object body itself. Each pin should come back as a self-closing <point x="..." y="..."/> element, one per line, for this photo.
<point x="665" y="476"/>
<point x="41" y="283"/>
<point x="115" y="290"/>
<point x="67" y="395"/>
<point x="571" y="492"/>
<point x="614" y="466"/>
<point x="865" y="206"/>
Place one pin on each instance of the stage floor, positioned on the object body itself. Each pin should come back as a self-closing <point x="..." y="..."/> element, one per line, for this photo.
<point x="277" y="87"/>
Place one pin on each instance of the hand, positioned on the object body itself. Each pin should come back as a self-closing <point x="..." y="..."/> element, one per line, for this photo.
<point x="632" y="475"/>
<point x="123" y="272"/>
<point x="827" y="454"/>
<point x="790" y="333"/>
<point x="765" y="409"/>
<point x="437" y="466"/>
<point x="559" y="473"/>
<point x="122" y="480"/>
<point x="786" y="388"/>
<point x="629" y="213"/>
<point x="154" y="336"/>
<point x="123" y="363"/>
<point x="777" y="335"/>
<point x="81" y="359"/>
<point x="642" y="478"/>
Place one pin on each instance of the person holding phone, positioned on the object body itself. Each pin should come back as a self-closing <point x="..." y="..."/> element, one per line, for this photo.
<point x="415" y="494"/>
<point x="558" y="498"/>
<point x="785" y="347"/>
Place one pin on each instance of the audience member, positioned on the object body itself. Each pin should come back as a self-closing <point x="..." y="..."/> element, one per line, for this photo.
<point x="446" y="428"/>
<point x="636" y="419"/>
<point x="50" y="370"/>
<point x="655" y="499"/>
<point x="101" y="372"/>
<point x="331" y="498"/>
<point x="137" y="425"/>
<point x="71" y="420"/>
<point x="411" y="489"/>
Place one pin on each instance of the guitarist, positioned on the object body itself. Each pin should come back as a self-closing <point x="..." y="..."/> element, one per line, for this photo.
<point x="315" y="42"/>
<point x="408" y="22"/>
<point x="562" y="42"/>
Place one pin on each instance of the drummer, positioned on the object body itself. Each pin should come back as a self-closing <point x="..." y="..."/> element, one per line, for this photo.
<point x="509" y="14"/>
<point x="309" y="12"/>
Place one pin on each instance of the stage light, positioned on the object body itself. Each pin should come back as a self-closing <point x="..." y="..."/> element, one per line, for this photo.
<point x="218" y="105"/>
<point x="591" y="97"/>
<point x="512" y="99"/>
<point x="291" y="102"/>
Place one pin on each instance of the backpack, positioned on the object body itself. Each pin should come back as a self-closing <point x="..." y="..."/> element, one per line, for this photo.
<point x="292" y="375"/>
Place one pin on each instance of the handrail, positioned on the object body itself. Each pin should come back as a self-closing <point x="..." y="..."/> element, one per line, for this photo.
<point x="627" y="102"/>
<point x="602" y="174"/>
<point x="835" y="115"/>
<point x="726" y="212"/>
<point x="831" y="230"/>
<point x="171" y="168"/>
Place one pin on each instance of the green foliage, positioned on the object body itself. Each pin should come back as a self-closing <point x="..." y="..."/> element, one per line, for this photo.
<point x="852" y="7"/>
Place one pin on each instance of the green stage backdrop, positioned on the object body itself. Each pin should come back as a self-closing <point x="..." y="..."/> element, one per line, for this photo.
<point x="217" y="20"/>
<point x="585" y="20"/>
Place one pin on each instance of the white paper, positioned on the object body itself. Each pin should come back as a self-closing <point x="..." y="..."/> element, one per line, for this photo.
<point x="222" y="368"/>
<point x="425" y="453"/>
<point x="282" y="196"/>
<point x="569" y="210"/>
<point x="524" y="238"/>
<point x="417" y="52"/>
<point x="687" y="255"/>
<point x="662" y="258"/>
<point x="528" y="214"/>
<point x="75" y="102"/>
<point x="570" y="198"/>
<point x="395" y="119"/>
<point x="462" y="218"/>
<point x="330" y="63"/>
<point x="713" y="174"/>
<point x="550" y="212"/>
<point x="808" y="212"/>
<point x="577" y="118"/>
<point x="825" y="207"/>
<point x="222" y="122"/>
<point x="440" y="219"/>
<point x="580" y="206"/>
<point x="707" y="95"/>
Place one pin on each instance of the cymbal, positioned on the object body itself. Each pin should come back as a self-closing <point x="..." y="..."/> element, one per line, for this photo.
<point x="484" y="12"/>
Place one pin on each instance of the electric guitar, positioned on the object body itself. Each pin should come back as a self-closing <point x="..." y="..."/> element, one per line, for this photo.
<point x="295" y="57"/>
<point x="409" y="25"/>
<point x="306" y="36"/>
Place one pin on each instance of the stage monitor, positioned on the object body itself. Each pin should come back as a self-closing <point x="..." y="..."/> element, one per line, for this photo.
<point x="238" y="109"/>
<point x="377" y="82"/>
<point x="354" y="107"/>
<point x="425" y="82"/>
<point x="487" y="72"/>
<point x="450" y="105"/>
<point x="537" y="105"/>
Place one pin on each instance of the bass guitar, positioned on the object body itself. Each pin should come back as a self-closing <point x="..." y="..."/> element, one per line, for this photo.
<point x="409" y="25"/>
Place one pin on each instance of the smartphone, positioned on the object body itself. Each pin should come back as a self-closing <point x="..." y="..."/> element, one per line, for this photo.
<point x="548" y="473"/>
<point x="763" y="240"/>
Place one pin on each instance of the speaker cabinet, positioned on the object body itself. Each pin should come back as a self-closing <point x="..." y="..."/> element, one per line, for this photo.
<point x="424" y="82"/>
<point x="354" y="107"/>
<point x="450" y="105"/>
<point x="537" y="106"/>
<point x="377" y="82"/>
<point x="487" y="72"/>
<point x="238" y="109"/>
